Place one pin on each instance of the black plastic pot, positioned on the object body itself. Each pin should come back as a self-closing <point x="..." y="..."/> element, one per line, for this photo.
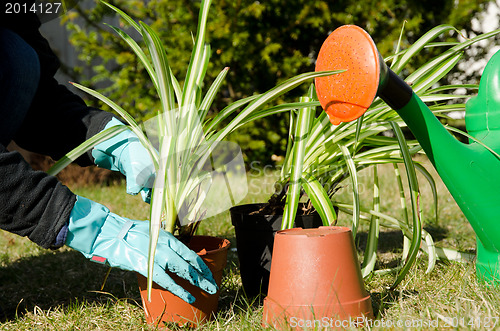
<point x="254" y="240"/>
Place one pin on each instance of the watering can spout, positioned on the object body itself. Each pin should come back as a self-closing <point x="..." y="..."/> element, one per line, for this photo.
<point x="471" y="171"/>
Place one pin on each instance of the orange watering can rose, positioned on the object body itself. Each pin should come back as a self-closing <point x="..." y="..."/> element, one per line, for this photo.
<point x="346" y="96"/>
<point x="470" y="171"/>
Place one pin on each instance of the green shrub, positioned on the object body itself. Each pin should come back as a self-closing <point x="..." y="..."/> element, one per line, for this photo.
<point x="262" y="42"/>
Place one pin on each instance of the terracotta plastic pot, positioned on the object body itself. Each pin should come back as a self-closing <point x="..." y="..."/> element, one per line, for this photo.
<point x="255" y="239"/>
<point x="168" y="308"/>
<point x="315" y="280"/>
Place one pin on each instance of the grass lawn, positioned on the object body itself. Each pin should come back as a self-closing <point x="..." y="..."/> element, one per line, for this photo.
<point x="61" y="290"/>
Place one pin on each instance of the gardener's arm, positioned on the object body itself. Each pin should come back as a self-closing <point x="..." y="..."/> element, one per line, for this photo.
<point x="57" y="120"/>
<point x="36" y="205"/>
<point x="32" y="204"/>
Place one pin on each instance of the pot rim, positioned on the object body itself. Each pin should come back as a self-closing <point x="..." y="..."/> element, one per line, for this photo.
<point x="315" y="232"/>
<point x="224" y="244"/>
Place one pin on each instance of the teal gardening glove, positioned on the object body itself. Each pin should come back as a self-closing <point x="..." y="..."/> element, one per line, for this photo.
<point x="106" y="237"/>
<point x="125" y="153"/>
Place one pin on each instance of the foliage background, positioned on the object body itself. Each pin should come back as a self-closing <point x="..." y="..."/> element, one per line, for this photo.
<point x="263" y="43"/>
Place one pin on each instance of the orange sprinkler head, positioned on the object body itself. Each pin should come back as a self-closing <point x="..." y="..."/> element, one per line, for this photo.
<point x="346" y="96"/>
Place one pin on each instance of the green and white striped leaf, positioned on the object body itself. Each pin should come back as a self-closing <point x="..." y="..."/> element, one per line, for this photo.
<point x="414" y="192"/>
<point x="302" y="128"/>
<point x="319" y="199"/>
<point x="370" y="256"/>
<point x="84" y="147"/>
<point x="351" y="167"/>
<point x="129" y="119"/>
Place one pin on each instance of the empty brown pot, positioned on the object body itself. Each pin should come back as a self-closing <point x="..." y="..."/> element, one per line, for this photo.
<point x="316" y="281"/>
<point x="168" y="308"/>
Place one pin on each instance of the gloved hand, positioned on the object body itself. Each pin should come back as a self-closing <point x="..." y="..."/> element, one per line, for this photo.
<point x="125" y="153"/>
<point x="108" y="238"/>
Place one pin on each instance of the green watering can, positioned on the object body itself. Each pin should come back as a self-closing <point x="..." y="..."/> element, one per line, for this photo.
<point x="470" y="171"/>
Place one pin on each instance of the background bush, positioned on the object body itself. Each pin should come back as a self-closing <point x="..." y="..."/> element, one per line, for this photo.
<point x="263" y="43"/>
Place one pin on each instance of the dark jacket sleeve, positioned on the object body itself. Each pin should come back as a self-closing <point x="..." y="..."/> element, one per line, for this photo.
<point x="58" y="120"/>
<point x="32" y="203"/>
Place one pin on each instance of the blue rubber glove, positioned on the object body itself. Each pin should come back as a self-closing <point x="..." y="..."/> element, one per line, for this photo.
<point x="104" y="237"/>
<point x="125" y="153"/>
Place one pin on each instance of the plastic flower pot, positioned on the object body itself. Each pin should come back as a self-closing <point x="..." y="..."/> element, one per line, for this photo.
<point x="255" y="237"/>
<point x="316" y="281"/>
<point x="168" y="308"/>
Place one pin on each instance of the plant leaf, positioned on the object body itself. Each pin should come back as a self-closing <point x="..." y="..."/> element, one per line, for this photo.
<point x="195" y="67"/>
<point x="124" y="16"/>
<point x="319" y="199"/>
<point x="270" y="95"/>
<point x="138" y="52"/>
<point x="84" y="147"/>
<point x="129" y="119"/>
<point x="351" y="167"/>
<point x="212" y="92"/>
<point x="370" y="256"/>
<point x="302" y="127"/>
<point x="417" y="225"/>
<point x="163" y="75"/>
<point x="416" y="47"/>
